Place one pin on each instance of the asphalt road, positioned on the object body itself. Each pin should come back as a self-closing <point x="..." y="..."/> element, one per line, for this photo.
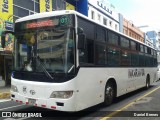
<point x="141" y="104"/>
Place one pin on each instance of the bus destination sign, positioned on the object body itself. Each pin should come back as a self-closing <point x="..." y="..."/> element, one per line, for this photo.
<point x="62" y="21"/>
<point x="40" y="24"/>
<point x="44" y="23"/>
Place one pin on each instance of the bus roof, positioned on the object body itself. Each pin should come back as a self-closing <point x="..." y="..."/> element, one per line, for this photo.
<point x="46" y="14"/>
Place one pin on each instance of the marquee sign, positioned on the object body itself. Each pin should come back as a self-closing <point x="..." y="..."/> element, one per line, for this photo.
<point x="40" y="24"/>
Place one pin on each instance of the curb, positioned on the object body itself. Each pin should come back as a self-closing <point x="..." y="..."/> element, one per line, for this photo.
<point x="5" y="95"/>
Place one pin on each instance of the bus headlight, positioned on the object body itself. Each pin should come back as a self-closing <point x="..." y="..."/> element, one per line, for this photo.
<point x="14" y="88"/>
<point x="61" y="94"/>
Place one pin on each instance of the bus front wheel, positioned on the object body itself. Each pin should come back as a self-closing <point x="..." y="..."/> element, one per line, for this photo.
<point x="109" y="94"/>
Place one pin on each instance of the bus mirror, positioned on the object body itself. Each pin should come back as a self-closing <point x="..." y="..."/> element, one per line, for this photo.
<point x="81" y="41"/>
<point x="3" y="37"/>
<point x="80" y="30"/>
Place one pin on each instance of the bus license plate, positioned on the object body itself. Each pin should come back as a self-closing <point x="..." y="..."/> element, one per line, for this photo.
<point x="32" y="101"/>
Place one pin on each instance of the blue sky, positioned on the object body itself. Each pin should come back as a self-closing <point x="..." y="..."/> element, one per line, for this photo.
<point x="141" y="12"/>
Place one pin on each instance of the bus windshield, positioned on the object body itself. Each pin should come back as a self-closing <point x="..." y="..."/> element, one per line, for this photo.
<point x="45" y="50"/>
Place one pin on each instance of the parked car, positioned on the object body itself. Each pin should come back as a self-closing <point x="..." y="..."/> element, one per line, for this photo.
<point x="158" y="72"/>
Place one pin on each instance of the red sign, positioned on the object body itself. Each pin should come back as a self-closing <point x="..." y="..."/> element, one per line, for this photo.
<point x="40" y="24"/>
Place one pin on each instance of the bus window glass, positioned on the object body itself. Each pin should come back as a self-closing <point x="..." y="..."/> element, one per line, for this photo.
<point x="112" y="38"/>
<point x="125" y="58"/>
<point x="133" y="45"/>
<point x="148" y="61"/>
<point x="124" y="42"/>
<point x="135" y="59"/>
<point x="141" y="59"/>
<point x="149" y="50"/>
<point x="86" y="57"/>
<point x="113" y="57"/>
<point x="155" y="57"/>
<point x="49" y="49"/>
<point x="100" y="34"/>
<point x="145" y="48"/>
<point x="87" y="27"/>
<point x="100" y="54"/>
<point x="141" y="48"/>
<point x="152" y="53"/>
<point x="90" y="51"/>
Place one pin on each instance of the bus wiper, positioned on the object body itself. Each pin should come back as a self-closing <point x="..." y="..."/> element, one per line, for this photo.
<point x="71" y="69"/>
<point x="42" y="66"/>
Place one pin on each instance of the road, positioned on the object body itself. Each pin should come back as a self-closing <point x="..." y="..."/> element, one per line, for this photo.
<point x="141" y="104"/>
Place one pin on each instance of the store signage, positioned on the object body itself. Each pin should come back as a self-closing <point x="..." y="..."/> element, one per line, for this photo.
<point x="8" y="25"/>
<point x="45" y="5"/>
<point x="5" y="6"/>
<point x="69" y="6"/>
<point x="103" y="6"/>
<point x="6" y="14"/>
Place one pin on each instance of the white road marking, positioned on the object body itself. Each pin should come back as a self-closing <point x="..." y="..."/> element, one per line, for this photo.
<point x="5" y="100"/>
<point x="11" y="107"/>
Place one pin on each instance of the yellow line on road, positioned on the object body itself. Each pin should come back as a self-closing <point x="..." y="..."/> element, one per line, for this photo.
<point x="128" y="105"/>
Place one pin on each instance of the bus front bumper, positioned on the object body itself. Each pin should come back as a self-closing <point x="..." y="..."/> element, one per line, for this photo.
<point x="67" y="105"/>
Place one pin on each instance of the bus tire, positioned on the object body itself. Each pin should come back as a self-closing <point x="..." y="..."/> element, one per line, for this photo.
<point x="109" y="94"/>
<point x="147" y="82"/>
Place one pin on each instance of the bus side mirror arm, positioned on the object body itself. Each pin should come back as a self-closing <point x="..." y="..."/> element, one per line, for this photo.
<point x="81" y="41"/>
<point x="81" y="38"/>
<point x="3" y="36"/>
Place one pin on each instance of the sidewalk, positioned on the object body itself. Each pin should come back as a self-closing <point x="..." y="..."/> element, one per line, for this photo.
<point x="5" y="92"/>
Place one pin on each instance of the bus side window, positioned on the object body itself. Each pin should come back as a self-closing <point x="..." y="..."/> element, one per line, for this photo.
<point x="90" y="51"/>
<point x="87" y="56"/>
<point x="125" y="58"/>
<point x="135" y="59"/>
<point x="113" y="56"/>
<point x="100" y="52"/>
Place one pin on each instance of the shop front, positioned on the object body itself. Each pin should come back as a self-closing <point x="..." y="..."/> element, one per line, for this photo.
<point x="6" y="59"/>
<point x="5" y="69"/>
<point x="6" y="24"/>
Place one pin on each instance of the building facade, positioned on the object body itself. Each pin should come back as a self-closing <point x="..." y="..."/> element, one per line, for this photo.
<point x="148" y="41"/>
<point x="153" y="35"/>
<point x="104" y="13"/>
<point x="132" y="31"/>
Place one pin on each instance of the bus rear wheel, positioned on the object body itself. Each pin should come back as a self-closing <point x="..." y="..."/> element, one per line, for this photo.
<point x="148" y="82"/>
<point x="109" y="94"/>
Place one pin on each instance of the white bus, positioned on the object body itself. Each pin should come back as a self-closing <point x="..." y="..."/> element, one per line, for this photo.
<point x="65" y="62"/>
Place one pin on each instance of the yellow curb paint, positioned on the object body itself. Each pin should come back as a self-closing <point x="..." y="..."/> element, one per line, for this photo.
<point x="128" y="105"/>
<point x="5" y="95"/>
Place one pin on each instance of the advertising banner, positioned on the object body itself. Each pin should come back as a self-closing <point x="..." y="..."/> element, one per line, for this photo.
<point x="69" y="6"/>
<point x="45" y="5"/>
<point x="6" y="14"/>
<point x="6" y="21"/>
